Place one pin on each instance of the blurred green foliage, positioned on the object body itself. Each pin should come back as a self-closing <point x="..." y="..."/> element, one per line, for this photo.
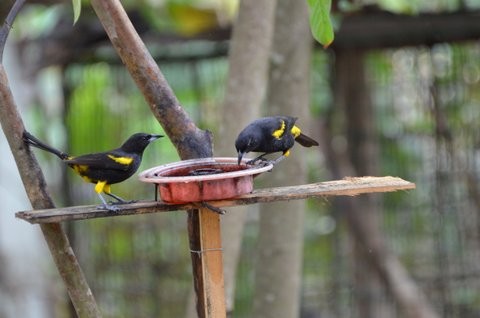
<point x="140" y="266"/>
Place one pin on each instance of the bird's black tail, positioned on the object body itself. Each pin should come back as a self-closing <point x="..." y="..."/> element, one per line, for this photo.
<point x="306" y="141"/>
<point x="31" y="140"/>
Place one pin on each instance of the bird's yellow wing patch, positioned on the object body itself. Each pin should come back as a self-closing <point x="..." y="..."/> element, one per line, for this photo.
<point x="279" y="132"/>
<point x="121" y="160"/>
<point x="295" y="131"/>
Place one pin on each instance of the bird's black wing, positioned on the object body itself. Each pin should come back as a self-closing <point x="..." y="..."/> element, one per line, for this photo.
<point x="273" y="126"/>
<point x="105" y="161"/>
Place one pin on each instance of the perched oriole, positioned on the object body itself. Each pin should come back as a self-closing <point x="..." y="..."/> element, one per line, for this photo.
<point x="269" y="135"/>
<point x="103" y="168"/>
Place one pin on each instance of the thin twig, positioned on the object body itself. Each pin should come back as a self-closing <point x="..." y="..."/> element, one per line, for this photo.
<point x="7" y="25"/>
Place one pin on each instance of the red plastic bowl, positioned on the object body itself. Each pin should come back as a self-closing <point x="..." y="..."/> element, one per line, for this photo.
<point x="203" y="179"/>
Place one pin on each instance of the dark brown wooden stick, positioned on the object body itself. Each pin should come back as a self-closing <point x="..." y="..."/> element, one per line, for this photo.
<point x="347" y="186"/>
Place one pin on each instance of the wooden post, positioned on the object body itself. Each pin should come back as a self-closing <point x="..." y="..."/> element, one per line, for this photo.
<point x="206" y="252"/>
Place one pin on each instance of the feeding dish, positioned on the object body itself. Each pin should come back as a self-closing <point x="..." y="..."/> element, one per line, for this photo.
<point x="203" y="179"/>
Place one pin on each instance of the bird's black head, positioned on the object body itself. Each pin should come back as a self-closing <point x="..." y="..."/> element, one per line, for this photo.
<point x="247" y="141"/>
<point x="138" y="142"/>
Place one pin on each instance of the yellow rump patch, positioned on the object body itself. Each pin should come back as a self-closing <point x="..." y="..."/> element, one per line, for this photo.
<point x="286" y="153"/>
<point x="80" y="169"/>
<point x="100" y="186"/>
<point x="87" y="179"/>
<point x="121" y="160"/>
<point x="279" y="132"/>
<point x="295" y="131"/>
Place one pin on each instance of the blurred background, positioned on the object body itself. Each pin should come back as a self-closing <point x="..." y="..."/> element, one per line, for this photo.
<point x="397" y="93"/>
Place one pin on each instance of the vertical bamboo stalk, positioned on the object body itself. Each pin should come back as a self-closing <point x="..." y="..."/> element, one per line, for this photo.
<point x="206" y="253"/>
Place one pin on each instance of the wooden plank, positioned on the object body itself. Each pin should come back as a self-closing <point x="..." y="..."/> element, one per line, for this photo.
<point x="207" y="262"/>
<point x="348" y="186"/>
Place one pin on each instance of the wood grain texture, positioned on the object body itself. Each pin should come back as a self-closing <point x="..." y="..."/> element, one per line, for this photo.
<point x="206" y="253"/>
<point x="348" y="186"/>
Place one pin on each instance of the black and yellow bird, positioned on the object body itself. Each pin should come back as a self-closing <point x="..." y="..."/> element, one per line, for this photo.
<point x="103" y="168"/>
<point x="269" y="135"/>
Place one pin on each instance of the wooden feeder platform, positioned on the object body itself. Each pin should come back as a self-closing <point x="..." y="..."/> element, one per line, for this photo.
<point x="350" y="186"/>
<point x="204" y="225"/>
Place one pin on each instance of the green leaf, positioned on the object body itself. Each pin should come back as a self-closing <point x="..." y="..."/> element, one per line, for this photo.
<point x="320" y="23"/>
<point x="77" y="8"/>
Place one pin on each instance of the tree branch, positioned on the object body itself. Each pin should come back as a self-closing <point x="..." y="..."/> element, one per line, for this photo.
<point x="7" y="25"/>
<point x="190" y="141"/>
<point x="34" y="183"/>
<point x="33" y="180"/>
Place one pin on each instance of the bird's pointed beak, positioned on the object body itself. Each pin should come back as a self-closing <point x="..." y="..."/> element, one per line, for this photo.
<point x="155" y="137"/>
<point x="240" y="156"/>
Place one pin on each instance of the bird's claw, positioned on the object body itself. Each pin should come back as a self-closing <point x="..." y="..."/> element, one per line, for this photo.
<point x="263" y="162"/>
<point x="109" y="207"/>
<point x="212" y="208"/>
<point x="121" y="202"/>
<point x="253" y="161"/>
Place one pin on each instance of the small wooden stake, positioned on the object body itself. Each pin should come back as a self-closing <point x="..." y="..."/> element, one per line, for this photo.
<point x="207" y="262"/>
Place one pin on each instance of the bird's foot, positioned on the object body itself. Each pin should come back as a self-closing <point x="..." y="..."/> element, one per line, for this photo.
<point x="212" y="208"/>
<point x="263" y="162"/>
<point x="118" y="202"/>
<point x="109" y="207"/>
<point x="277" y="161"/>
<point x="253" y="161"/>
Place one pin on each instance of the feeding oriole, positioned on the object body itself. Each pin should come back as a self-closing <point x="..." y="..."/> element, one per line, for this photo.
<point x="269" y="135"/>
<point x="103" y="168"/>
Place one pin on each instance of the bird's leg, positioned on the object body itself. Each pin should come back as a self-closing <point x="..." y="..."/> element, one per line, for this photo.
<point x="251" y="162"/>
<point x="278" y="160"/>
<point x="106" y="190"/>
<point x="283" y="156"/>
<point x="119" y="199"/>
<point x="107" y="206"/>
<point x="100" y="187"/>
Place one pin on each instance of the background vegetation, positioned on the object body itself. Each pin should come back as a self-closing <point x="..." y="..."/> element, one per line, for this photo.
<point x="424" y="114"/>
